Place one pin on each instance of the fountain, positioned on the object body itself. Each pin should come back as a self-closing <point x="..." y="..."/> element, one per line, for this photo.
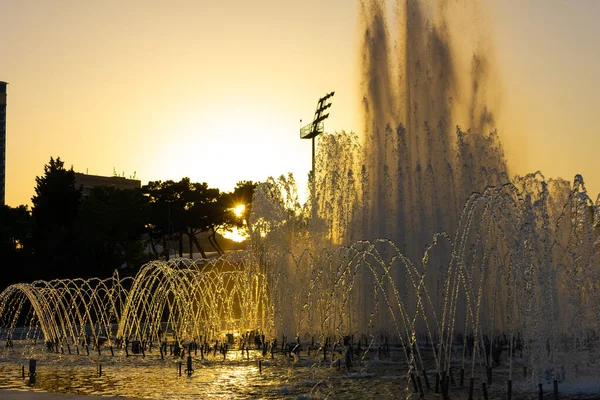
<point x="416" y="265"/>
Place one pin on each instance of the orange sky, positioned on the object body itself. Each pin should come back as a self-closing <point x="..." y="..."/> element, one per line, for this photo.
<point x="215" y="91"/>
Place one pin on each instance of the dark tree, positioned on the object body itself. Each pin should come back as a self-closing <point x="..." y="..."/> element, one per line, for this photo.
<point x="15" y="228"/>
<point x="198" y="196"/>
<point x="210" y="214"/>
<point x="170" y="219"/>
<point x="15" y="245"/>
<point x="189" y="209"/>
<point x="55" y="208"/>
<point x="110" y="228"/>
<point x="157" y="224"/>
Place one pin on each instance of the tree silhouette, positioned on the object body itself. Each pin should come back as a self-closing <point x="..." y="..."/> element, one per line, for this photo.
<point x="55" y="208"/>
<point x="185" y="208"/>
<point x="211" y="214"/>
<point x="15" y="245"/>
<point x="158" y="226"/>
<point x="110" y="227"/>
<point x="66" y="235"/>
<point x="171" y="216"/>
<point x="15" y="228"/>
<point x="198" y="196"/>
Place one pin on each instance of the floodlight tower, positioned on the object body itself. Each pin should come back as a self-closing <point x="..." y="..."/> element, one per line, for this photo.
<point x="315" y="128"/>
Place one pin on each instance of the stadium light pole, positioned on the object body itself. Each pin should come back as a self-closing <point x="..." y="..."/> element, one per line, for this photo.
<point x="315" y="128"/>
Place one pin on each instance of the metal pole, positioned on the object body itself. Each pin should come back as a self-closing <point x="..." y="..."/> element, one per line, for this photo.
<point x="313" y="157"/>
<point x="313" y="184"/>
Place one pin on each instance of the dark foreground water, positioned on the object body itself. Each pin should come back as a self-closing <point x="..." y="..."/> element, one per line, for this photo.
<point x="238" y="377"/>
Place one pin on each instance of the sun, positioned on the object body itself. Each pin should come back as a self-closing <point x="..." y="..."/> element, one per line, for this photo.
<point x="239" y="210"/>
<point x="236" y="234"/>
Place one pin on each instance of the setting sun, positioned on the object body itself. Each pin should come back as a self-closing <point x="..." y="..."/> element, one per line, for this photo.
<point x="239" y="210"/>
<point x="237" y="234"/>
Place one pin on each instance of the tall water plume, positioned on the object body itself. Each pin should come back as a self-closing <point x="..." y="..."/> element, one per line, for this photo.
<point x="421" y="170"/>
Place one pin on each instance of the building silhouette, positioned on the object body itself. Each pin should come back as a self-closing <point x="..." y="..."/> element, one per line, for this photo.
<point x="87" y="182"/>
<point x="3" y="142"/>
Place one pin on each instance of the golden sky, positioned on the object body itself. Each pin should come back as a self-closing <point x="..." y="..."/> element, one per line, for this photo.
<point x="215" y="90"/>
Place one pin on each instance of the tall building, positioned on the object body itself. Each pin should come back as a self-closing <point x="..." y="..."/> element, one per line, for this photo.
<point x="2" y="142"/>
